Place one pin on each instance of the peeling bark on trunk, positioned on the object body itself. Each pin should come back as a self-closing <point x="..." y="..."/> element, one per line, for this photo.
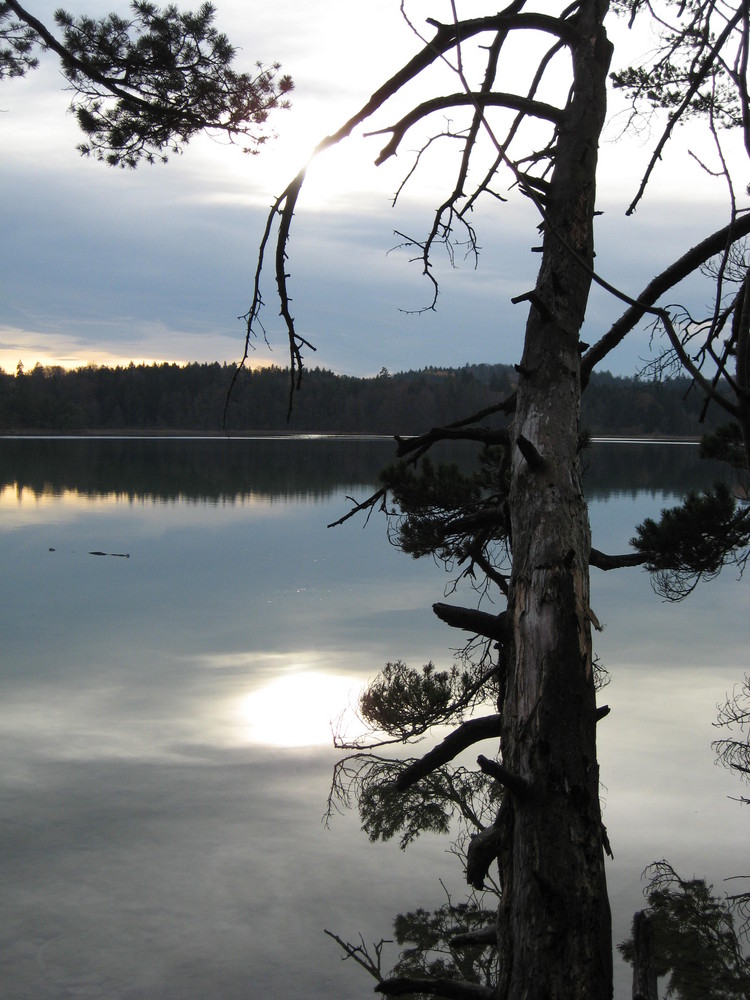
<point x="554" y="932"/>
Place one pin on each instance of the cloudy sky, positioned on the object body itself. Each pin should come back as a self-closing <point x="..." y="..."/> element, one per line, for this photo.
<point x="108" y="266"/>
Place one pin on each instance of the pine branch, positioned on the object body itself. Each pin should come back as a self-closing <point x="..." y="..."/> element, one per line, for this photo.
<point x="698" y="77"/>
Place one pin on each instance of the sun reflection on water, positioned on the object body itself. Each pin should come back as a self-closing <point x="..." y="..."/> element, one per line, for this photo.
<point x="300" y="708"/>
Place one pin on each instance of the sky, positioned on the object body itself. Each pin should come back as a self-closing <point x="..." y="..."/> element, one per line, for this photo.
<point x="107" y="266"/>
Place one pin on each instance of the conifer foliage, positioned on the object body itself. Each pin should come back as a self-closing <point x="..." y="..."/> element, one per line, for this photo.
<point x="144" y="85"/>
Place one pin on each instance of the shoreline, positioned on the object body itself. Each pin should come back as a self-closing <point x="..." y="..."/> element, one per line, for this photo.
<point x="251" y="435"/>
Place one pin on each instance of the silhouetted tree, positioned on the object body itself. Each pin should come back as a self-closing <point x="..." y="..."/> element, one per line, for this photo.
<point x="521" y="532"/>
<point x="695" y="941"/>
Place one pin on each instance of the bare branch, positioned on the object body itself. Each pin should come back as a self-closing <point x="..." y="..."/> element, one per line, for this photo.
<point x="692" y="369"/>
<point x="367" y="505"/>
<point x="361" y="954"/>
<point x="699" y="77"/>
<point x="601" y="560"/>
<point x="446" y="38"/>
<point x="456" y="432"/>
<point x="472" y="620"/>
<point x="671" y="276"/>
<point x="502" y="153"/>
<point x="507" y="778"/>
<point x="468" y="733"/>
<point x="451" y="989"/>
<point x="485" y="935"/>
<point x="498" y="578"/>
<point x="536" y="109"/>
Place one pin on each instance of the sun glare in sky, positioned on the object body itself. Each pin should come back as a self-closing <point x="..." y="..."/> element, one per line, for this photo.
<point x="297" y="709"/>
<point x="116" y="266"/>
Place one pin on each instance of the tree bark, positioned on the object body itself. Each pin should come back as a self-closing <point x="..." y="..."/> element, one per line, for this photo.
<point x="554" y="934"/>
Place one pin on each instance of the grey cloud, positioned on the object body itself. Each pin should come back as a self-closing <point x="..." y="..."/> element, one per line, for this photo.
<point x="106" y="257"/>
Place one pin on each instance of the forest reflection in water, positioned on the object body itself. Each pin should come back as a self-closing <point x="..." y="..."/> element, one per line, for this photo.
<point x="161" y="800"/>
<point x="213" y="469"/>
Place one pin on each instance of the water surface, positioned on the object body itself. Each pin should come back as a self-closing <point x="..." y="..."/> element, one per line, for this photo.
<point x="165" y="711"/>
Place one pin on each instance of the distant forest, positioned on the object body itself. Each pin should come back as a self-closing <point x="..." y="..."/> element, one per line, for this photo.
<point x="170" y="397"/>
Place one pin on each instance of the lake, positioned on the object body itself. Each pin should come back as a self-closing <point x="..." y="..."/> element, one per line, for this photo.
<point x="166" y="707"/>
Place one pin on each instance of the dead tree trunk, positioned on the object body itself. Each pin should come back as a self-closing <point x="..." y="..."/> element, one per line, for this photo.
<point x="554" y="927"/>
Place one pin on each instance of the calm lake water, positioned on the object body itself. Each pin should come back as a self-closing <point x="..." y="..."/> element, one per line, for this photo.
<point x="165" y="710"/>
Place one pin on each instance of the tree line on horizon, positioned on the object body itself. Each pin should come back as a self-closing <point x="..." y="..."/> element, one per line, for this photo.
<point x="196" y="397"/>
